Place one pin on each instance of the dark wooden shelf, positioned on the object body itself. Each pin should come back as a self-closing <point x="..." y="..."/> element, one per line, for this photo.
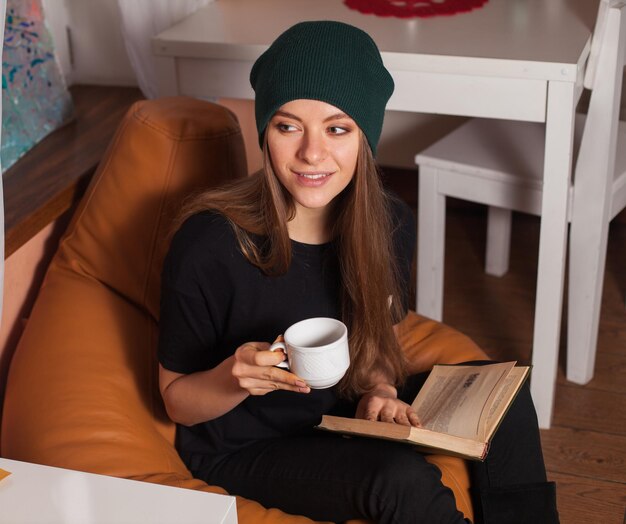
<point x="51" y="178"/>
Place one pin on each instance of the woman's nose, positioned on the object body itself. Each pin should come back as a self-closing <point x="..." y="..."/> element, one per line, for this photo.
<point x="312" y="148"/>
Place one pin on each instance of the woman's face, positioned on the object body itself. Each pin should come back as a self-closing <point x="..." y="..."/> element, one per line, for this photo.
<point x="314" y="148"/>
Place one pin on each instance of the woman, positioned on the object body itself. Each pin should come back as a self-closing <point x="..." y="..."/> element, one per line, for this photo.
<point x="313" y="234"/>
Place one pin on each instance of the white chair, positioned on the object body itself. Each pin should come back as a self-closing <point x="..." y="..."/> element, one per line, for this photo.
<point x="500" y="164"/>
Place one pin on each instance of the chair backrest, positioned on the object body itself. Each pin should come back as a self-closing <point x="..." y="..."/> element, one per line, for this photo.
<point x="597" y="40"/>
<point x="164" y="150"/>
<point x="599" y="139"/>
<point x="89" y="345"/>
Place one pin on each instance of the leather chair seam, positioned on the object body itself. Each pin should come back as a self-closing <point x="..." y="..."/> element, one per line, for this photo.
<point x="181" y="137"/>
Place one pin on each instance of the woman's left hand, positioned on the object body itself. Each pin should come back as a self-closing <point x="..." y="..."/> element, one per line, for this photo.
<point x="382" y="404"/>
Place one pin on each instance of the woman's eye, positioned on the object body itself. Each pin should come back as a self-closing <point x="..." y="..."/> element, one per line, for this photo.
<point x="286" y="128"/>
<point x="336" y="130"/>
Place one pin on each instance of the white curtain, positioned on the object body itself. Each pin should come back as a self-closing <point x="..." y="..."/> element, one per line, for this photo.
<point x="143" y="19"/>
<point x="3" y="8"/>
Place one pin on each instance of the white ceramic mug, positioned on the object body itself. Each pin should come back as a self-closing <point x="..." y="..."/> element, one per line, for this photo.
<point x="317" y="351"/>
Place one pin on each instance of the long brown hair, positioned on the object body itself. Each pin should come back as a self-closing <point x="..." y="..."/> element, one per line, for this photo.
<point x="259" y="208"/>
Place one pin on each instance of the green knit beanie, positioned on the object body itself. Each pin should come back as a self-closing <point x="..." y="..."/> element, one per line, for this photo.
<point x="329" y="61"/>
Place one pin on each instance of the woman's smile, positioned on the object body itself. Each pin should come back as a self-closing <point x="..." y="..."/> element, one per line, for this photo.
<point x="313" y="179"/>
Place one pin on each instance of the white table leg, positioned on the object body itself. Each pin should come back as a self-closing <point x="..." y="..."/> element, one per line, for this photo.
<point x="552" y="247"/>
<point x="498" y="241"/>
<point x="431" y="231"/>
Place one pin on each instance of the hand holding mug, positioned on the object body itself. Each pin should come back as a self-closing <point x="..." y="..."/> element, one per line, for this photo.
<point x="255" y="370"/>
<point x="317" y="351"/>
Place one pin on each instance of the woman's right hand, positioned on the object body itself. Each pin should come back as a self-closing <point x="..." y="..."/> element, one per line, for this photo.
<point x="205" y="395"/>
<point x="254" y="370"/>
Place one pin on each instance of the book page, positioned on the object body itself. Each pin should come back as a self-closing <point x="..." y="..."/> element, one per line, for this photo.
<point x="453" y="398"/>
<point x="502" y="399"/>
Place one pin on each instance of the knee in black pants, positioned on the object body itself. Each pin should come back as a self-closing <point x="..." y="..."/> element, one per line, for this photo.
<point x="525" y="504"/>
<point x="404" y="487"/>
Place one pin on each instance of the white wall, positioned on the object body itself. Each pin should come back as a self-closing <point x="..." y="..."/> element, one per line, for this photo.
<point x="56" y="16"/>
<point x="97" y="46"/>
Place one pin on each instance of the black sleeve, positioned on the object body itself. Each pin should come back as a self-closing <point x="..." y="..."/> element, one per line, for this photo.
<point x="190" y="303"/>
<point x="404" y="240"/>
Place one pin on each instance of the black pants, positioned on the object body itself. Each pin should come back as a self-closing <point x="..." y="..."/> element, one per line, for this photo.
<point x="325" y="476"/>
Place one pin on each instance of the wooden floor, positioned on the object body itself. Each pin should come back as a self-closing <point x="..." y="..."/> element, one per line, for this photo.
<point x="585" y="450"/>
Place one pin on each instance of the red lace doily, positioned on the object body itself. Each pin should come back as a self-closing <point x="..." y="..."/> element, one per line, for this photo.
<point x="412" y="8"/>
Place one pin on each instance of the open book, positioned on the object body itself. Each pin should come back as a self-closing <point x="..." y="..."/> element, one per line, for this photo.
<point x="459" y="407"/>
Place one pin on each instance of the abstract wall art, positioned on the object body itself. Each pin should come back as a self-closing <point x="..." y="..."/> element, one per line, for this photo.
<point x="35" y="99"/>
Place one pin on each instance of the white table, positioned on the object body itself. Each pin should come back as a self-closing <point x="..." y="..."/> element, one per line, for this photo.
<point x="511" y="59"/>
<point x="47" y="495"/>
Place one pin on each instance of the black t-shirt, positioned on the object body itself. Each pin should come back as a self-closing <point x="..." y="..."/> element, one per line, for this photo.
<point x="213" y="300"/>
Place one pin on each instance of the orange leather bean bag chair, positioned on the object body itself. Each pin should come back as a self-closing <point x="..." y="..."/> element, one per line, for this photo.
<point x="82" y="391"/>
